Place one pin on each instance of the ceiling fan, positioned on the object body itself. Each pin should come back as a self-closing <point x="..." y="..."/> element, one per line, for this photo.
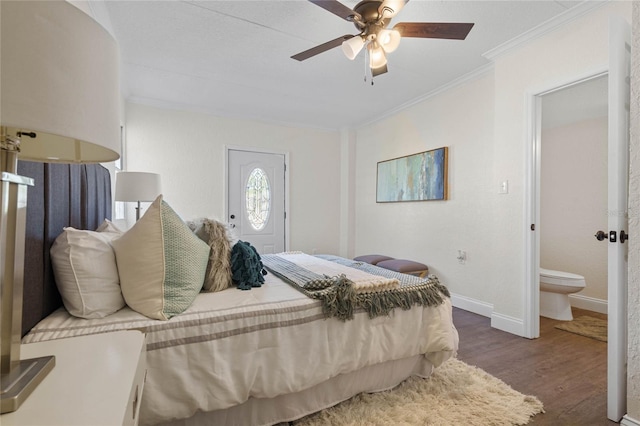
<point x="371" y="18"/>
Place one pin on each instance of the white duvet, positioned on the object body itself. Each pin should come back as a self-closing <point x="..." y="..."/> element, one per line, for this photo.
<point x="233" y="345"/>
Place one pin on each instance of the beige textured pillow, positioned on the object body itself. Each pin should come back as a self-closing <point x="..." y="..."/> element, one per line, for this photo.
<point x="161" y="263"/>
<point x="220" y="239"/>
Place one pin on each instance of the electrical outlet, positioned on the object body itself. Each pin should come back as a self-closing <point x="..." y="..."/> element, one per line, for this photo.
<point x="462" y="257"/>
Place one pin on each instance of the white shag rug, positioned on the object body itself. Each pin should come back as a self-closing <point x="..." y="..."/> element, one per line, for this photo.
<point x="455" y="394"/>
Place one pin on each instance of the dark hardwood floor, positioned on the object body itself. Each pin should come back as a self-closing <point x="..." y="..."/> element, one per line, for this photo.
<point x="567" y="372"/>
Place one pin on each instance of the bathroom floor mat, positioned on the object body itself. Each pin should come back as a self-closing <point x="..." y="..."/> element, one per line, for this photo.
<point x="587" y="326"/>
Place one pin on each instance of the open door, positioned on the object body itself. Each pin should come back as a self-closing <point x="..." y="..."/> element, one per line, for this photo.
<point x="618" y="187"/>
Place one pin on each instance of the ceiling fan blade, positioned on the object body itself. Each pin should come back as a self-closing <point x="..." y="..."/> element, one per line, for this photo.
<point x="338" y="9"/>
<point x="453" y="31"/>
<point x="321" y="48"/>
<point x="390" y="8"/>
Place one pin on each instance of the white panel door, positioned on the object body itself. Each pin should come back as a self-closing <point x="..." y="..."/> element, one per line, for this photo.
<point x="256" y="198"/>
<point x="619" y="95"/>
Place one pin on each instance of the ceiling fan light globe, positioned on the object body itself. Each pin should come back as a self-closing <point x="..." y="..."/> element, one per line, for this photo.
<point x="377" y="58"/>
<point x="389" y="39"/>
<point x="352" y="47"/>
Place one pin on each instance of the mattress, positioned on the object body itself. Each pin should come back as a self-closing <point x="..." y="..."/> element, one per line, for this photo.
<point x="233" y="346"/>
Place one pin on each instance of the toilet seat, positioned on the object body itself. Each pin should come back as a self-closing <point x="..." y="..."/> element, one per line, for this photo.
<point x="568" y="279"/>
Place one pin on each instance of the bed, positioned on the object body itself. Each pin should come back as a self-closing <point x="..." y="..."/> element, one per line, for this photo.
<point x="257" y="357"/>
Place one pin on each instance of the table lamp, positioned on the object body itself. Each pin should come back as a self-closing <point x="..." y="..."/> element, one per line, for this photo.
<point x="60" y="103"/>
<point x="137" y="187"/>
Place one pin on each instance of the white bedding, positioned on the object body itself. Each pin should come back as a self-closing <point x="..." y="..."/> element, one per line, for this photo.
<point x="234" y="345"/>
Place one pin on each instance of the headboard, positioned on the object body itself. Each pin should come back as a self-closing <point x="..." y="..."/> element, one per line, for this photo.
<point x="77" y="195"/>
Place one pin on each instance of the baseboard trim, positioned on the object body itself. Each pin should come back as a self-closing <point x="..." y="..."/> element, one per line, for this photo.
<point x="509" y="324"/>
<point x="501" y="322"/>
<point x="589" y="303"/>
<point x="628" y="421"/>
<point x="472" y="305"/>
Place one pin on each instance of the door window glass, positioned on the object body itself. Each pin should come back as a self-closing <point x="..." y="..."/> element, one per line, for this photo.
<point x="258" y="198"/>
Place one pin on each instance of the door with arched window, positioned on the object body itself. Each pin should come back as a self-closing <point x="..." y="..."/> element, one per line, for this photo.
<point x="256" y="198"/>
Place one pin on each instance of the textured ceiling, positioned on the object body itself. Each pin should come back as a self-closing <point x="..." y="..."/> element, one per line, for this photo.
<point x="232" y="58"/>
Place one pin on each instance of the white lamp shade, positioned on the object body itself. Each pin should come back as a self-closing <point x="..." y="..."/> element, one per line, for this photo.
<point x="59" y="79"/>
<point x="389" y="39"/>
<point x="137" y="186"/>
<point x="352" y="47"/>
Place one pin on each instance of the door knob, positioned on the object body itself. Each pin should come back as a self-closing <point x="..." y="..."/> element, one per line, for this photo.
<point x="233" y="216"/>
<point x="601" y="235"/>
<point x="623" y="237"/>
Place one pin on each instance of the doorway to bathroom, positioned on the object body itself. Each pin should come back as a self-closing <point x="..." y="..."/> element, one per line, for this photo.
<point x="615" y="221"/>
<point x="573" y="191"/>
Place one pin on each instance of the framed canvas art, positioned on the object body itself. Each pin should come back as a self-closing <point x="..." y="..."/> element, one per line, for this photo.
<point x="416" y="177"/>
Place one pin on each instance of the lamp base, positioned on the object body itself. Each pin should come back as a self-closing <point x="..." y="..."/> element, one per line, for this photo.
<point x="18" y="383"/>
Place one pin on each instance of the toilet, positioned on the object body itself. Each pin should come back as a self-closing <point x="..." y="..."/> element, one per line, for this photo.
<point x="555" y="287"/>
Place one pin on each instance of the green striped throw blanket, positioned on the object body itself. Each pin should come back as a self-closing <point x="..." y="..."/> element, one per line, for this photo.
<point x="344" y="286"/>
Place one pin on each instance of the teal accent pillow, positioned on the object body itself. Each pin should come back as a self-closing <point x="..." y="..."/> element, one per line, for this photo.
<point x="246" y="266"/>
<point x="161" y="263"/>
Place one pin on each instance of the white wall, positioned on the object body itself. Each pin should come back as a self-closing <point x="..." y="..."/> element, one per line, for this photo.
<point x="187" y="150"/>
<point x="633" y="363"/>
<point x="432" y="231"/>
<point x="573" y="202"/>
<point x="484" y="123"/>
<point x="566" y="54"/>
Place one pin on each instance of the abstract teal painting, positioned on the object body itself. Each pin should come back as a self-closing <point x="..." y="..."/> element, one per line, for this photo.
<point x="417" y="177"/>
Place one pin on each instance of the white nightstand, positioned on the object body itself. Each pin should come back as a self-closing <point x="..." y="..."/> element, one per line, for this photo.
<point x="97" y="380"/>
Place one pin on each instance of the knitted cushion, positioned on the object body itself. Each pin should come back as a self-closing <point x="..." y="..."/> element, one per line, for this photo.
<point x="161" y="263"/>
<point x="246" y="266"/>
<point x="372" y="258"/>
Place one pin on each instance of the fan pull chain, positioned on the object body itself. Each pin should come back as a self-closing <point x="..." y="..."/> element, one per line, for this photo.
<point x="366" y="61"/>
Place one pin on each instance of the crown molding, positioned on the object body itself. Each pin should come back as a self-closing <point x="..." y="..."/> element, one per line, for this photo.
<point x="188" y="108"/>
<point x="454" y="83"/>
<point x="544" y="28"/>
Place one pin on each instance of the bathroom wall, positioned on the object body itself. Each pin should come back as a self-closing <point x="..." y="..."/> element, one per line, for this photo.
<point x="573" y="202"/>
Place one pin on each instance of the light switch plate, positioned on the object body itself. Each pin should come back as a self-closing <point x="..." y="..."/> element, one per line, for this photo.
<point x="504" y="187"/>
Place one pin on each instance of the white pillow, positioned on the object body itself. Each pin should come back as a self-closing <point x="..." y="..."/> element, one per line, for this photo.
<point x="84" y="266"/>
<point x="108" y="226"/>
<point x="161" y="263"/>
